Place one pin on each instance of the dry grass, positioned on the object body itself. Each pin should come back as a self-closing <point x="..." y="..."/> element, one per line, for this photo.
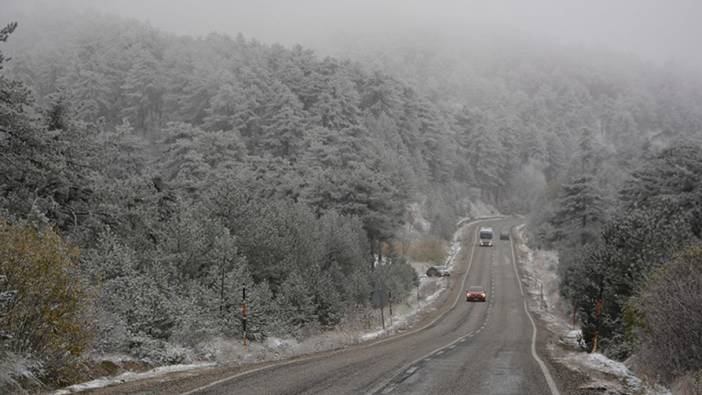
<point x="428" y="250"/>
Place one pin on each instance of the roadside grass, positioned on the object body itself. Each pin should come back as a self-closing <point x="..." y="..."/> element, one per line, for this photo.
<point x="428" y="250"/>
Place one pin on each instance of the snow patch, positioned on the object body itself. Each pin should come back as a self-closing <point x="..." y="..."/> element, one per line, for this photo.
<point x="131" y="376"/>
<point x="573" y="339"/>
<point x="613" y="376"/>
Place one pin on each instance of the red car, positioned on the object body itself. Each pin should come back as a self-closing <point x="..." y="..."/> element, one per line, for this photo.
<point x="476" y="294"/>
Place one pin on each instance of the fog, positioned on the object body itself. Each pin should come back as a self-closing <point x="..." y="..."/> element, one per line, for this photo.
<point x="656" y="30"/>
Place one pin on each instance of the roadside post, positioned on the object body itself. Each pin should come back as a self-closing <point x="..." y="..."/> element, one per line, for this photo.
<point x="390" y="305"/>
<point x="244" y="316"/>
<point x="382" y="305"/>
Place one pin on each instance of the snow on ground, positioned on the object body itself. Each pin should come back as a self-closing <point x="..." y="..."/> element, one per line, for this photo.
<point x="131" y="376"/>
<point x="541" y="280"/>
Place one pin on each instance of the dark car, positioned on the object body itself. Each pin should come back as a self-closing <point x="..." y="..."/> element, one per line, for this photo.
<point x="504" y="236"/>
<point x="437" y="272"/>
<point x="476" y="294"/>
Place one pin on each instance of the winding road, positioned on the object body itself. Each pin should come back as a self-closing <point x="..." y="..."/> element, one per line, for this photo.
<point x="466" y="348"/>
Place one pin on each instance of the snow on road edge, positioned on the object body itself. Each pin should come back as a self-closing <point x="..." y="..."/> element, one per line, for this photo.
<point x="131" y="376"/>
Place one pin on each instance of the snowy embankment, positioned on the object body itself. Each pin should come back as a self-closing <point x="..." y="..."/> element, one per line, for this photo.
<point x="540" y="277"/>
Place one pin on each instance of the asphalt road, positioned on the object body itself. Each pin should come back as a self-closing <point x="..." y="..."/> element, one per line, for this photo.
<point x="473" y="348"/>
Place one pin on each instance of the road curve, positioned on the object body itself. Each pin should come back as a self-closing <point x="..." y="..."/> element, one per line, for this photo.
<point x="474" y="348"/>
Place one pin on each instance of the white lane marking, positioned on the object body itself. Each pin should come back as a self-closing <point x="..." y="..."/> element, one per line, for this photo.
<point x="549" y="380"/>
<point x="370" y="344"/>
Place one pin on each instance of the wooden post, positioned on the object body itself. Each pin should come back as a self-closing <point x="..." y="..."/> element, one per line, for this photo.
<point x="244" y="316"/>
<point x="390" y="304"/>
<point x="382" y="306"/>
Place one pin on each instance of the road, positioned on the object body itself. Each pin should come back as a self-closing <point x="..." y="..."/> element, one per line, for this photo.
<point x="463" y="347"/>
<point x="473" y="348"/>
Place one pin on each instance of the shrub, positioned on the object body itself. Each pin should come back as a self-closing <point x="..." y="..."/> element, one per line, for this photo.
<point x="428" y="250"/>
<point x="47" y="316"/>
<point x="669" y="305"/>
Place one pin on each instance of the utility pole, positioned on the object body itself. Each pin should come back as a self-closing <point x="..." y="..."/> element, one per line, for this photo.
<point x="382" y="305"/>
<point x="390" y="304"/>
<point x="221" y="292"/>
<point x="244" y="316"/>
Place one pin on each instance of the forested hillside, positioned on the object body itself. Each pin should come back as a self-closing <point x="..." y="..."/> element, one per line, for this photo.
<point x="608" y="154"/>
<point x="177" y="171"/>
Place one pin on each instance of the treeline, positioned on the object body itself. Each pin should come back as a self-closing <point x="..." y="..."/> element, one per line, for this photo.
<point x="522" y="109"/>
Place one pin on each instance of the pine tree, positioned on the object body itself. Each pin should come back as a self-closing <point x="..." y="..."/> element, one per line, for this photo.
<point x="296" y="303"/>
<point x="143" y="92"/>
<point x="282" y="130"/>
<point x="580" y="211"/>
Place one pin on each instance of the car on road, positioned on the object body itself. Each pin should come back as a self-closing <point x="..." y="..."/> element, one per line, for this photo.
<point x="437" y="272"/>
<point x="476" y="294"/>
<point x="504" y="236"/>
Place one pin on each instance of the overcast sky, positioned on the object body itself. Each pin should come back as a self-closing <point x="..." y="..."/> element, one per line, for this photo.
<point x="660" y="30"/>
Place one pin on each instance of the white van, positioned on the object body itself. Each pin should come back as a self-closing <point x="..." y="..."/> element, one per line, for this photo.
<point x="486" y="235"/>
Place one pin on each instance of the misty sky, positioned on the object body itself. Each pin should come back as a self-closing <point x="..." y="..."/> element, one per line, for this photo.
<point x="654" y="29"/>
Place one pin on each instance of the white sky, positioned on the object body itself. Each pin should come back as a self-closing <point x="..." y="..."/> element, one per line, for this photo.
<point x="665" y="31"/>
